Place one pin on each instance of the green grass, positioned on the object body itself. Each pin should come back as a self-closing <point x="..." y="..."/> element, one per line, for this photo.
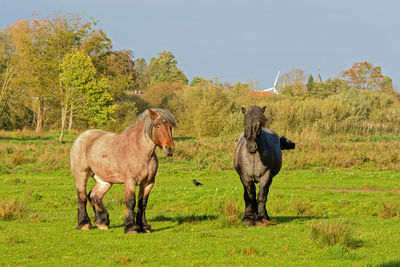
<point x="355" y="215"/>
<point x="194" y="225"/>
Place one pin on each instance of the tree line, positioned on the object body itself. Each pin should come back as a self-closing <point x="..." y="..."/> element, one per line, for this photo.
<point x="61" y="72"/>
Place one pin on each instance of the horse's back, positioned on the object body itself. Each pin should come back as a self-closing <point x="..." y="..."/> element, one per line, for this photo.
<point x="270" y="157"/>
<point x="82" y="144"/>
<point x="266" y="130"/>
<point x="272" y="134"/>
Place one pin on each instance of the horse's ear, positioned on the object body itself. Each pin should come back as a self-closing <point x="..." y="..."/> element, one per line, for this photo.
<point x="263" y="109"/>
<point x="152" y="115"/>
<point x="243" y="110"/>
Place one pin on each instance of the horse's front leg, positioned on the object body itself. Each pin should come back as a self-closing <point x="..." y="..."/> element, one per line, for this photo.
<point x="250" y="201"/>
<point x="131" y="226"/>
<point x="143" y="197"/>
<point x="262" y="215"/>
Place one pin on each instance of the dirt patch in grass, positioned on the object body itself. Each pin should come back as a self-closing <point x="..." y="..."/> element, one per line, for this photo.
<point x="364" y="189"/>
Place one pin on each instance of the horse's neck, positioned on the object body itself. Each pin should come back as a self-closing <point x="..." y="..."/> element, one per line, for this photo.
<point x="137" y="137"/>
<point x="147" y="145"/>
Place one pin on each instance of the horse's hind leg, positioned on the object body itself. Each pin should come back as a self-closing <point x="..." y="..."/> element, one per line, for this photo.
<point x="101" y="217"/>
<point x="80" y="183"/>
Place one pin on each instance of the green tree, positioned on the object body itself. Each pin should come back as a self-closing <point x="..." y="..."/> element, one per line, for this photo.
<point x="164" y="69"/>
<point x="8" y="67"/>
<point x="310" y="84"/>
<point x="387" y="85"/>
<point x="83" y="92"/>
<point x="195" y="80"/>
<point x="98" y="103"/>
<point x="34" y="79"/>
<point x="143" y="75"/>
<point x="40" y="46"/>
<point x="120" y="71"/>
<point x="77" y="72"/>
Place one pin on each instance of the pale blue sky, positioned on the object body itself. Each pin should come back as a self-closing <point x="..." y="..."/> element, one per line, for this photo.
<point x="242" y="40"/>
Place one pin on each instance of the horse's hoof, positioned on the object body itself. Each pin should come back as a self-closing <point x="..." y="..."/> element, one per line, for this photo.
<point x="248" y="222"/>
<point x="146" y="227"/>
<point x="85" y="227"/>
<point x="132" y="232"/>
<point x="132" y="229"/>
<point x="146" y="231"/>
<point x="264" y="222"/>
<point x="102" y="227"/>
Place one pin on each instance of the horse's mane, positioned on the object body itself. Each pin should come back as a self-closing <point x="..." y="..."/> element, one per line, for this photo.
<point x="257" y="113"/>
<point x="148" y="124"/>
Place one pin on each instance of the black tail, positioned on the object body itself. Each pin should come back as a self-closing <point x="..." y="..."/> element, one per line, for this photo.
<point x="286" y="144"/>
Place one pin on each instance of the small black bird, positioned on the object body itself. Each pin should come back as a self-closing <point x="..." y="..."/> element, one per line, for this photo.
<point x="196" y="183"/>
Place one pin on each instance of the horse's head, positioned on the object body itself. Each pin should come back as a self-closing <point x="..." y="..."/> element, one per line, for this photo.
<point x="162" y="133"/>
<point x="254" y="120"/>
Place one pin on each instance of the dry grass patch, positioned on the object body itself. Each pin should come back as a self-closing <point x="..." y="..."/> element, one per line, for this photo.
<point x="12" y="209"/>
<point x="389" y="210"/>
<point x="230" y="211"/>
<point x="248" y="251"/>
<point x="330" y="233"/>
<point x="14" y="181"/>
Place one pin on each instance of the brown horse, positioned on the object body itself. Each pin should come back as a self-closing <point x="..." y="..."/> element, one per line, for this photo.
<point x="127" y="158"/>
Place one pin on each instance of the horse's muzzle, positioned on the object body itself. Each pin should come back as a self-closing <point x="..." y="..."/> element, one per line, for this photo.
<point x="251" y="147"/>
<point x="168" y="151"/>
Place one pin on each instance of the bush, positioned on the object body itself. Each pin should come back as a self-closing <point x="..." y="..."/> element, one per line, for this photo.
<point x="208" y="108"/>
<point x="157" y="94"/>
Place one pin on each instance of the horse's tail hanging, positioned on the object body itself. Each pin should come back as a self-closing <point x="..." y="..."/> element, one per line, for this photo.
<point x="286" y="144"/>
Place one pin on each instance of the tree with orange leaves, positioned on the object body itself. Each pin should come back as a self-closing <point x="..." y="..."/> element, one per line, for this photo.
<point x="364" y="75"/>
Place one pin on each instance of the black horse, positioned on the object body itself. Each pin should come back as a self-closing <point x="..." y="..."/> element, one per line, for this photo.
<point x="258" y="158"/>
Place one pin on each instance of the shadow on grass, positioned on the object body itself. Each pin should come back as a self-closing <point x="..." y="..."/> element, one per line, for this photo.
<point x="178" y="220"/>
<point x="162" y="228"/>
<point x="25" y="138"/>
<point x="394" y="263"/>
<point x="285" y="219"/>
<point x="195" y="218"/>
<point x="116" y="226"/>
<point x="152" y="229"/>
<point x="185" y="219"/>
<point x="183" y="138"/>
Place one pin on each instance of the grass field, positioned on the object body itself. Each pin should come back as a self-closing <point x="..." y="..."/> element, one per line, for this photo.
<point x="332" y="216"/>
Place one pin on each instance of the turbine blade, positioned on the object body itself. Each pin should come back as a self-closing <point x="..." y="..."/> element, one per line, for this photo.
<point x="276" y="80"/>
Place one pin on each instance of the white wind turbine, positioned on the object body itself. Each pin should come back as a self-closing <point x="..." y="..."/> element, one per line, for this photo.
<point x="273" y="88"/>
